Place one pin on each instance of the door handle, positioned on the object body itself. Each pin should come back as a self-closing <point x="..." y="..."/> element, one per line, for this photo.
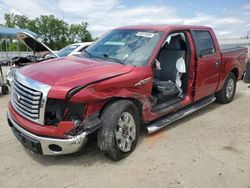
<point x="217" y="63"/>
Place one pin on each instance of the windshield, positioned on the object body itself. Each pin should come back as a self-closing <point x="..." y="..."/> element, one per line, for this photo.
<point x="129" y="47"/>
<point x="67" y="50"/>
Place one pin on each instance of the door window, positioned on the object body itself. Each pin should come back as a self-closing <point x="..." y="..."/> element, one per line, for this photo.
<point x="204" y="42"/>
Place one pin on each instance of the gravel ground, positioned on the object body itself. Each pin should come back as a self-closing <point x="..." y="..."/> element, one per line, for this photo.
<point x="209" y="148"/>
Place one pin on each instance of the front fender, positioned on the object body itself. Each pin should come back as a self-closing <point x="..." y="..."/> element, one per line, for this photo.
<point x="124" y="86"/>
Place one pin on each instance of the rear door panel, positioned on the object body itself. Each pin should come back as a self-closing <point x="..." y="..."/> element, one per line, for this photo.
<point x="208" y="72"/>
<point x="208" y="65"/>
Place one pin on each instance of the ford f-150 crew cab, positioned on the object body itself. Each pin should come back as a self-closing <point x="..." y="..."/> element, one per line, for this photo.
<point x="131" y="77"/>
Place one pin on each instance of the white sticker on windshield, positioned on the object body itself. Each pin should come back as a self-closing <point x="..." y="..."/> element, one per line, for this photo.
<point x="114" y="43"/>
<point x="145" y="34"/>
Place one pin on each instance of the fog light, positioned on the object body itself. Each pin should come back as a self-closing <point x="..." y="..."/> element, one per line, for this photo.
<point x="54" y="147"/>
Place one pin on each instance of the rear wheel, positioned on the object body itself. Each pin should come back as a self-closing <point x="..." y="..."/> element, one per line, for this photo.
<point x="226" y="94"/>
<point x="119" y="133"/>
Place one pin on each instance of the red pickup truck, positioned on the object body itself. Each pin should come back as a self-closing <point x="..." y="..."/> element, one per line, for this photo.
<point x="131" y="77"/>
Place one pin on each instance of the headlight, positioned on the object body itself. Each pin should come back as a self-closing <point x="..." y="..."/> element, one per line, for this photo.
<point x="54" y="111"/>
<point x="58" y="110"/>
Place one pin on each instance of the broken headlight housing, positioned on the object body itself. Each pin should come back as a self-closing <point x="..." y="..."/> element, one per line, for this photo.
<point x="74" y="112"/>
<point x="58" y="110"/>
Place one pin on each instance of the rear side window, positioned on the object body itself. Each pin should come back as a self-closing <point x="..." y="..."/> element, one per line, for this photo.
<point x="204" y="42"/>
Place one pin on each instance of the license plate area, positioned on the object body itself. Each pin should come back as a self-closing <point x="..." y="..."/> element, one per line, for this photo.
<point x="28" y="142"/>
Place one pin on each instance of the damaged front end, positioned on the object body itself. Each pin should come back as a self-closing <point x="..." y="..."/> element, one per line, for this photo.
<point x="65" y="129"/>
<point x="61" y="110"/>
<point x="64" y="117"/>
<point x="59" y="116"/>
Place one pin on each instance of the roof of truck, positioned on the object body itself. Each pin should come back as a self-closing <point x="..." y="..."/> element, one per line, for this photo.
<point x="163" y="27"/>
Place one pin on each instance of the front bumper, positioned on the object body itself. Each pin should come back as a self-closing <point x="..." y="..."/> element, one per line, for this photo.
<point x="46" y="145"/>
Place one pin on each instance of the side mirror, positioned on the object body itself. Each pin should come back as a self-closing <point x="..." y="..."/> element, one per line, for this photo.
<point x="247" y="74"/>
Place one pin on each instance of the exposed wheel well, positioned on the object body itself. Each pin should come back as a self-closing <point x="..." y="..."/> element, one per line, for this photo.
<point x="136" y="102"/>
<point x="235" y="71"/>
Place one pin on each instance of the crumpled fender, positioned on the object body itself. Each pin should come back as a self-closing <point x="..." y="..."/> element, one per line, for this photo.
<point x="135" y="85"/>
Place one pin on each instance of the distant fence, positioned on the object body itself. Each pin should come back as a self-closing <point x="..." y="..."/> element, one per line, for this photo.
<point x="9" y="55"/>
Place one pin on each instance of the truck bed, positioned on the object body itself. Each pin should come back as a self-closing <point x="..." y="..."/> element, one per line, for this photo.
<point x="236" y="56"/>
<point x="230" y="48"/>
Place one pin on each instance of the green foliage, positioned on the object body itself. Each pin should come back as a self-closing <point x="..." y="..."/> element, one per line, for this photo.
<point x="79" y="32"/>
<point x="11" y="45"/>
<point x="54" y="32"/>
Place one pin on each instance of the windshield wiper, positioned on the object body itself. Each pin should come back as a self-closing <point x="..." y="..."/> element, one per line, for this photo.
<point x="113" y="58"/>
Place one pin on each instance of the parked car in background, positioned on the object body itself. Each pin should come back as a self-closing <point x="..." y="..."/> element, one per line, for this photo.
<point x="131" y="77"/>
<point x="73" y="49"/>
<point x="247" y="74"/>
<point x="41" y="52"/>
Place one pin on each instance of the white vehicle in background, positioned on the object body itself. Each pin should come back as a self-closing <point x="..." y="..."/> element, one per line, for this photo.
<point x="41" y="53"/>
<point x="73" y="49"/>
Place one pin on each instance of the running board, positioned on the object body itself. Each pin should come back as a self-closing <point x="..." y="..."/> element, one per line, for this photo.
<point x="159" y="124"/>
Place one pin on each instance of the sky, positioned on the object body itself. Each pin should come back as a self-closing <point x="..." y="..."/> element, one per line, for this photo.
<point x="229" y="19"/>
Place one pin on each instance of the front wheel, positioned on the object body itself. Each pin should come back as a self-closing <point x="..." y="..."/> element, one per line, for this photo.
<point x="226" y="94"/>
<point x="119" y="133"/>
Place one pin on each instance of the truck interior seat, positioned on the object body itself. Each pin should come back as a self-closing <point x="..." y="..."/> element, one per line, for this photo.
<point x="165" y="79"/>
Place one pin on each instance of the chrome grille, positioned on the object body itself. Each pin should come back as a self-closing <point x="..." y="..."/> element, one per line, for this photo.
<point x="29" y="97"/>
<point x="26" y="100"/>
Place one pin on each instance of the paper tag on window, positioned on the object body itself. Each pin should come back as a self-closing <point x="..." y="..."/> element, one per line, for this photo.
<point x="145" y="34"/>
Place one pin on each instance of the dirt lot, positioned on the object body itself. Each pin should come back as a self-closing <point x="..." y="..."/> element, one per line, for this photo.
<point x="210" y="148"/>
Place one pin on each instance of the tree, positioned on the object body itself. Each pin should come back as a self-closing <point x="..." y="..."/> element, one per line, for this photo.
<point x="79" y="32"/>
<point x="52" y="31"/>
<point x="21" y="21"/>
<point x="9" y="20"/>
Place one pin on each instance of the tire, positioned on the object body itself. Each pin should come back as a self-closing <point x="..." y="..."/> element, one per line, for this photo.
<point x="226" y="94"/>
<point x="5" y="89"/>
<point x="116" y="138"/>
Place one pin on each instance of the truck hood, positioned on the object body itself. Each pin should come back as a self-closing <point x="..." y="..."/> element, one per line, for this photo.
<point x="66" y="73"/>
<point x="33" y="44"/>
